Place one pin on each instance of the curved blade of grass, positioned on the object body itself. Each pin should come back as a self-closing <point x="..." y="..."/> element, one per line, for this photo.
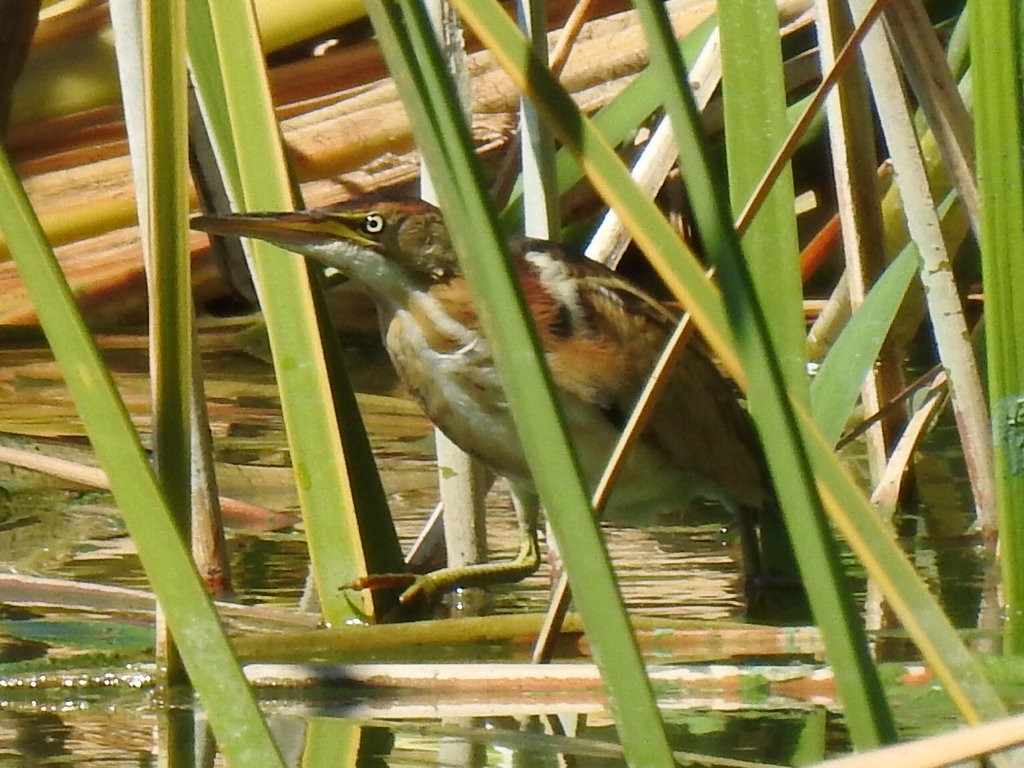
<point x="616" y="121"/>
<point x="996" y="70"/>
<point x="208" y="657"/>
<point x="348" y="526"/>
<point x="754" y="99"/>
<point x="834" y="390"/>
<point x="930" y="628"/>
<point x="462" y="483"/>
<point x="670" y="257"/>
<point x="889" y="485"/>
<point x="944" y="307"/>
<point x="959" y="671"/>
<point x="754" y="96"/>
<point x="807" y="112"/>
<point x="867" y="714"/>
<point x="871" y="720"/>
<point x="854" y="169"/>
<point x="411" y="53"/>
<point x="836" y="387"/>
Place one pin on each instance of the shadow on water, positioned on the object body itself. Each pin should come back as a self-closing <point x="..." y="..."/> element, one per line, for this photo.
<point x="312" y="739"/>
<point x="75" y="684"/>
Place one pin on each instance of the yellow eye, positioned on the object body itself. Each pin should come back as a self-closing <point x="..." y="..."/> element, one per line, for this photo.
<point x="373" y="224"/>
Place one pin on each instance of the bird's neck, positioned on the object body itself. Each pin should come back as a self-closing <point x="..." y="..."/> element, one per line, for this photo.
<point x="443" y="313"/>
<point x="388" y="283"/>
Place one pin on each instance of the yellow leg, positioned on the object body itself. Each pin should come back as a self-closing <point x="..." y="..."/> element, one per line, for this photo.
<point x="525" y="563"/>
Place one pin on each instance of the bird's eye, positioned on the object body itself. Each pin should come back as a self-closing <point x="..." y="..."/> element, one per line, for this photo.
<point x="373" y="224"/>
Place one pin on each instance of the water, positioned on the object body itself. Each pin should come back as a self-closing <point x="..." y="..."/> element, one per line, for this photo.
<point x="111" y="714"/>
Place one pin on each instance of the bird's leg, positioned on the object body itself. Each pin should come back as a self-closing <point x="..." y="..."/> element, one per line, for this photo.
<point x="750" y="542"/>
<point x="525" y="563"/>
<point x="778" y="566"/>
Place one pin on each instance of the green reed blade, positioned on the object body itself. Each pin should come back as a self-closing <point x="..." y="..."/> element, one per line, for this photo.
<point x="441" y="135"/>
<point x="997" y="47"/>
<point x="348" y="526"/>
<point x="208" y="657"/>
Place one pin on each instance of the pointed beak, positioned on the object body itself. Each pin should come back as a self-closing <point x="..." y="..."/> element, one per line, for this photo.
<point x="288" y="230"/>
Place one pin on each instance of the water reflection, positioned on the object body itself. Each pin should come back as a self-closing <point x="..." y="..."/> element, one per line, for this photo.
<point x="181" y="737"/>
<point x="688" y="569"/>
<point x="34" y="738"/>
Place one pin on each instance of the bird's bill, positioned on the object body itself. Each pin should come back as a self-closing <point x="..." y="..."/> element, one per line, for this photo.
<point x="286" y="229"/>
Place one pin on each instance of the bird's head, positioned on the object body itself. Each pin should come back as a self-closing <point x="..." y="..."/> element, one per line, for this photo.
<point x="390" y="246"/>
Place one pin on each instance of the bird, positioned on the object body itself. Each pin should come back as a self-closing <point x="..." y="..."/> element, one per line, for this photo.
<point x="601" y="335"/>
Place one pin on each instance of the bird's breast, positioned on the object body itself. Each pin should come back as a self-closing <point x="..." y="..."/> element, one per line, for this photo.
<point x="448" y="368"/>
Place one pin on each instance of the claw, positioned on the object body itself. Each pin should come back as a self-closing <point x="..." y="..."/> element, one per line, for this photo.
<point x="383" y="581"/>
<point x="423" y="588"/>
<point x="426" y="587"/>
<point x="417" y="586"/>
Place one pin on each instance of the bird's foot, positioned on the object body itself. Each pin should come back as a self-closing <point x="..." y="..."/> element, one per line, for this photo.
<point x="424" y="588"/>
<point x="380" y="581"/>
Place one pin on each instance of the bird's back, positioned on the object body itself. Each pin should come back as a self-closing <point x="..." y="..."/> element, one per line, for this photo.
<point x="606" y="356"/>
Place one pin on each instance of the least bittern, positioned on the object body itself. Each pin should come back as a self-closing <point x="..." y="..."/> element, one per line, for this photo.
<point x="601" y="336"/>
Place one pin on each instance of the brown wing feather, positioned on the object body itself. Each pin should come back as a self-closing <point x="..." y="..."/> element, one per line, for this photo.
<point x="699" y="423"/>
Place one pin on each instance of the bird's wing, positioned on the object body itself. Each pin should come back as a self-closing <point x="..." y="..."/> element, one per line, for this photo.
<point x="601" y="334"/>
<point x="602" y="351"/>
